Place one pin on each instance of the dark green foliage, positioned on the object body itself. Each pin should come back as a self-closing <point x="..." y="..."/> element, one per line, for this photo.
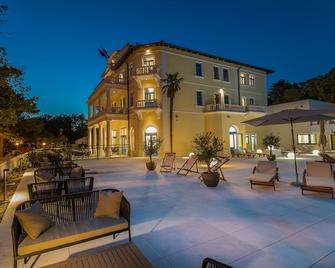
<point x="207" y="146"/>
<point x="270" y="141"/>
<point x="153" y="148"/>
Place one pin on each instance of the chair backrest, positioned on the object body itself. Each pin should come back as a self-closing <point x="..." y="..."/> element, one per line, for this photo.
<point x="77" y="172"/>
<point x="190" y="162"/>
<point x="218" y="162"/>
<point x="319" y="169"/>
<point x="78" y="185"/>
<point x="211" y="263"/>
<point x="267" y="167"/>
<point x="169" y="159"/>
<point x="44" y="189"/>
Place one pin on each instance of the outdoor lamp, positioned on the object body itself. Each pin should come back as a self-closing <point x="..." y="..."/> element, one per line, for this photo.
<point x="259" y="151"/>
<point x="191" y="154"/>
<point x="316" y="152"/>
<point x="290" y="155"/>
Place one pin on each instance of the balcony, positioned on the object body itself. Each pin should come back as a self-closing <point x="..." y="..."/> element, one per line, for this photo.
<point x="145" y="70"/>
<point x="235" y="108"/>
<point x="116" y="82"/>
<point x="148" y="104"/>
<point x="117" y="112"/>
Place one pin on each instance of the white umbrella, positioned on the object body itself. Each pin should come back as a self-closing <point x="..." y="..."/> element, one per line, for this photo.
<point x="291" y="116"/>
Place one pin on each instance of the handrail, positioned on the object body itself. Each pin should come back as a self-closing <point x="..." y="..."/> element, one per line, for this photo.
<point x="149" y="69"/>
<point x="148" y="103"/>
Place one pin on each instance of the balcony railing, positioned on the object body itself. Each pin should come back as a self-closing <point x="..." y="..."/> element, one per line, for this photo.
<point x="148" y="104"/>
<point x="116" y="80"/>
<point x="234" y="108"/>
<point x="145" y="70"/>
<point x="111" y="110"/>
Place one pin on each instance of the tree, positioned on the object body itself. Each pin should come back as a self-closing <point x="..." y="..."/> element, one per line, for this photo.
<point x="171" y="85"/>
<point x="284" y="91"/>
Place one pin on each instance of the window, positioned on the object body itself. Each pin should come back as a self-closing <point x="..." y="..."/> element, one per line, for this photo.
<point x="252" y="80"/>
<point x="91" y="110"/>
<point x="130" y="70"/>
<point x="123" y="132"/>
<point x="149" y="60"/>
<point x="225" y="75"/>
<point x="149" y="93"/>
<point x="243" y="80"/>
<point x="216" y="73"/>
<point x="251" y="101"/>
<point x="198" y="69"/>
<point x="226" y="99"/>
<point x="247" y="139"/>
<point x="131" y="99"/>
<point x="114" y="136"/>
<point x="199" y="98"/>
<point x="306" y="139"/>
<point x="121" y="78"/>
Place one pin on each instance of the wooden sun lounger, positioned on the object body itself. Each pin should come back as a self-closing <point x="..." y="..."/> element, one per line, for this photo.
<point x="217" y="166"/>
<point x="168" y="163"/>
<point x="265" y="174"/>
<point x="327" y="158"/>
<point x="188" y="165"/>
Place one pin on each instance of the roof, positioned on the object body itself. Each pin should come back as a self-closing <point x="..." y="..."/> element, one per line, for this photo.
<point x="165" y="44"/>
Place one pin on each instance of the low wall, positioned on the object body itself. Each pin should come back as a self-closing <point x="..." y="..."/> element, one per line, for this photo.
<point x="14" y="162"/>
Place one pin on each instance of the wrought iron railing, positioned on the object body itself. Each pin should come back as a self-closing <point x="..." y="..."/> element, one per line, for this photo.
<point x="142" y="70"/>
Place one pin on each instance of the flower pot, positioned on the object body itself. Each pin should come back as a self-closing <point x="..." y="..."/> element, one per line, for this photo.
<point x="271" y="157"/>
<point x="211" y="179"/>
<point x="151" y="165"/>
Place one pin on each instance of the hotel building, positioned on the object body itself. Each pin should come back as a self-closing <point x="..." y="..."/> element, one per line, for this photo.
<point x="127" y="108"/>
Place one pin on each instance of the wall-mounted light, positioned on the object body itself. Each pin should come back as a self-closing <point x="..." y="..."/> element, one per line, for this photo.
<point x="316" y="152"/>
<point x="221" y="91"/>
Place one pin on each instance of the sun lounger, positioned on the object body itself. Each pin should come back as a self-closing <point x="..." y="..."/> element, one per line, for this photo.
<point x="188" y="165"/>
<point x="318" y="177"/>
<point x="327" y="158"/>
<point x="216" y="165"/>
<point x="168" y="163"/>
<point x="211" y="263"/>
<point x="265" y="173"/>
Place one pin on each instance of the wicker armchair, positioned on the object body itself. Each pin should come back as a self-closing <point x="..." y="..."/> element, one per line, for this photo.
<point x="45" y="189"/>
<point x="210" y="263"/>
<point x="78" y="185"/>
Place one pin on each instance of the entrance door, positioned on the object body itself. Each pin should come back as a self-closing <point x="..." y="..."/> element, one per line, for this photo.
<point x="123" y="141"/>
<point x="150" y="136"/>
<point x="232" y="137"/>
<point x="253" y="142"/>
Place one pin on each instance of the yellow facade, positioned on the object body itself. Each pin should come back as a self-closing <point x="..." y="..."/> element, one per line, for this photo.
<point x="214" y="101"/>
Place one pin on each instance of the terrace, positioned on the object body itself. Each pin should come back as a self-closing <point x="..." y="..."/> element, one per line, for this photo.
<point x="177" y="221"/>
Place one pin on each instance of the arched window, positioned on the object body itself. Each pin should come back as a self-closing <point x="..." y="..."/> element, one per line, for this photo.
<point x="233" y="137"/>
<point x="132" y="139"/>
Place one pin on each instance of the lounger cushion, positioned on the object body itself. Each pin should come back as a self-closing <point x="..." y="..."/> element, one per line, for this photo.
<point x="257" y="176"/>
<point x="268" y="167"/>
<point x="44" y="175"/>
<point x="34" y="220"/>
<point x="109" y="204"/>
<point x="320" y="181"/>
<point x="62" y="234"/>
<point x="76" y="172"/>
<point x="318" y="169"/>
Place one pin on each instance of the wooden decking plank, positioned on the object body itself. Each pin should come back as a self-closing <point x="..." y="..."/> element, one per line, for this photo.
<point x="115" y="257"/>
<point x="144" y="261"/>
<point x="123" y="254"/>
<point x="131" y="252"/>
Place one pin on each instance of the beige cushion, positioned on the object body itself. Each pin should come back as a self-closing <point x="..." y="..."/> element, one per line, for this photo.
<point x="34" y="220"/>
<point x="320" y="181"/>
<point x="62" y="234"/>
<point x="318" y="169"/>
<point x="109" y="204"/>
<point x="268" y="167"/>
<point x="261" y="177"/>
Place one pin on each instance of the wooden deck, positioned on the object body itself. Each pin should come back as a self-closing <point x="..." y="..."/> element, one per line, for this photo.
<point x="122" y="256"/>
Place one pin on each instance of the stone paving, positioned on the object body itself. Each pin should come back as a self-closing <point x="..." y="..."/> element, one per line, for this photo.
<point x="177" y="221"/>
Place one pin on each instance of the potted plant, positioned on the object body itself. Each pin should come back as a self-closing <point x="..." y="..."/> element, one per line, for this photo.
<point x="150" y="150"/>
<point x="207" y="146"/>
<point x="270" y="141"/>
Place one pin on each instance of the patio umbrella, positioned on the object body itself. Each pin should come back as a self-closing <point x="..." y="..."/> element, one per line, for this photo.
<point x="291" y="116"/>
<point x="322" y="138"/>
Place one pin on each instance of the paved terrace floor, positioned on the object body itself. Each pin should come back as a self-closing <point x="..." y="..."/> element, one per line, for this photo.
<point x="177" y="221"/>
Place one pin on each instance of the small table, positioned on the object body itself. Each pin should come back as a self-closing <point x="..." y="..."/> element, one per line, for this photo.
<point x="122" y="256"/>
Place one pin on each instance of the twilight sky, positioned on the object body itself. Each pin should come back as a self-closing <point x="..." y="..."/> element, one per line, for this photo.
<point x="56" y="41"/>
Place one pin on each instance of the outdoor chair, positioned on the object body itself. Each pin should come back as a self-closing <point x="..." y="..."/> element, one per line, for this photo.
<point x="45" y="189"/>
<point x="265" y="173"/>
<point x="216" y="165"/>
<point x="318" y="177"/>
<point x="236" y="153"/>
<point x="188" y="165"/>
<point x="45" y="174"/>
<point x="65" y="169"/>
<point x="210" y="263"/>
<point x="327" y="158"/>
<point x="168" y="163"/>
<point x="78" y="185"/>
<point x="77" y="172"/>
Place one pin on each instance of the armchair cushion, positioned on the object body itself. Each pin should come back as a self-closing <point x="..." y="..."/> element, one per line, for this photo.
<point x="320" y="181"/>
<point x="109" y="204"/>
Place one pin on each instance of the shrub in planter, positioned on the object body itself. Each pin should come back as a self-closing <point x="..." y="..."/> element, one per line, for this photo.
<point x="151" y="150"/>
<point x="271" y="141"/>
<point x="207" y="147"/>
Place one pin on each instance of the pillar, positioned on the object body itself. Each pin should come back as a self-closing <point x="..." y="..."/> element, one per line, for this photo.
<point x="94" y="140"/>
<point x="101" y="149"/>
<point x="89" y="137"/>
<point x="108" y="138"/>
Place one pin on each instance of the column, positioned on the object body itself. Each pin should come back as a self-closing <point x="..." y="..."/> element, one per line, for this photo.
<point x="108" y="96"/>
<point x="89" y="141"/>
<point x="108" y="138"/>
<point x="94" y="140"/>
<point x="101" y="149"/>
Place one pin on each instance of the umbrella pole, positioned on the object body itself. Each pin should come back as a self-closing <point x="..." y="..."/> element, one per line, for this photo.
<point x="295" y="158"/>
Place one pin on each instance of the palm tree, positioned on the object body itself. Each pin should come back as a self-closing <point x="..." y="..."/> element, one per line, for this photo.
<point x="171" y="85"/>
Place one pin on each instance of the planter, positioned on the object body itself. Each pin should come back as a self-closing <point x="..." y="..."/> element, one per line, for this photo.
<point x="211" y="179"/>
<point x="151" y="165"/>
<point x="271" y="157"/>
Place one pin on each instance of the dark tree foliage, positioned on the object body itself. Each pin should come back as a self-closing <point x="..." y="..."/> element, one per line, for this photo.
<point x="319" y="88"/>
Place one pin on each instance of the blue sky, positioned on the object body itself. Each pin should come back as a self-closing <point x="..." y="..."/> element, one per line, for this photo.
<point x="56" y="42"/>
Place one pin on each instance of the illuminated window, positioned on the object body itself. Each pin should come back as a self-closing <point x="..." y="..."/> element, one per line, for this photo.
<point x="199" y="99"/>
<point x="149" y="60"/>
<point x="252" y="80"/>
<point x="216" y="73"/>
<point x="247" y="139"/>
<point x="243" y="80"/>
<point x="225" y="75"/>
<point x="123" y="132"/>
<point x="114" y="136"/>
<point x="306" y="139"/>
<point x="198" y="69"/>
